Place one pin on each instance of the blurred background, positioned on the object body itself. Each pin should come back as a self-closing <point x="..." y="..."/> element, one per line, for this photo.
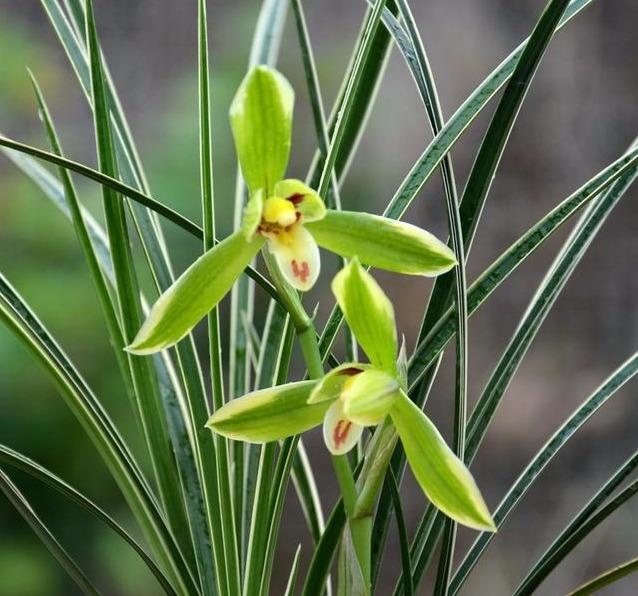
<point x="579" y="116"/>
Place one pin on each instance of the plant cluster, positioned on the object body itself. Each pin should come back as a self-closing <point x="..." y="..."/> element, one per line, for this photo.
<point x="222" y="456"/>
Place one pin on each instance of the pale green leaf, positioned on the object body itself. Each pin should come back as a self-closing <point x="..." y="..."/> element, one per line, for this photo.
<point x="383" y="243"/>
<point x="269" y="414"/>
<point x="442" y="476"/>
<point x="261" y="119"/>
<point x="369" y="313"/>
<point x="194" y="294"/>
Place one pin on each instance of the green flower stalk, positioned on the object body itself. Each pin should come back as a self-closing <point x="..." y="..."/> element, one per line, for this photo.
<point x="287" y="216"/>
<point x="357" y="395"/>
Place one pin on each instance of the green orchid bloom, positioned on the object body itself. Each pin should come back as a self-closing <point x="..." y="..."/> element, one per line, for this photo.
<point x="358" y="395"/>
<point x="287" y="216"/>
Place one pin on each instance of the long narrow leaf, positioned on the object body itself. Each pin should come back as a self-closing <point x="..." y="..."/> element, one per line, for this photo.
<point x="131" y="193"/>
<point x="623" y="374"/>
<point x="589" y="525"/>
<point x="559" y="273"/>
<point x="212" y="454"/>
<point x="605" y="579"/>
<point x="54" y="190"/>
<point x="365" y="45"/>
<point x="75" y="212"/>
<point x="25" y="325"/>
<point x="561" y="545"/>
<point x="149" y="403"/>
<point x="427" y="351"/>
<point x="404" y="542"/>
<point x="292" y="576"/>
<point x="21" y="462"/>
<point x="39" y="527"/>
<point x="278" y="337"/>
<point x="443" y="142"/>
<point x="373" y="68"/>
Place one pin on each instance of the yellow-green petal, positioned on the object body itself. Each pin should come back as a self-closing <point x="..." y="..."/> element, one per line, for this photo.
<point x="331" y="384"/>
<point x="251" y="217"/>
<point x="195" y="293"/>
<point x="269" y="414"/>
<point x="307" y="202"/>
<point x="368" y="397"/>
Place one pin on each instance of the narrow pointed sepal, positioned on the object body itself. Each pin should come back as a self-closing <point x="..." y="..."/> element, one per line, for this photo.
<point x="197" y="291"/>
<point x="383" y="243"/>
<point x="369" y="313"/>
<point x="261" y="121"/>
<point x="444" y="478"/>
<point x="339" y="433"/>
<point x="269" y="414"/>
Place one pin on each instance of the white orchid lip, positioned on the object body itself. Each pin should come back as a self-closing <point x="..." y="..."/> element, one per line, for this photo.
<point x="339" y="432"/>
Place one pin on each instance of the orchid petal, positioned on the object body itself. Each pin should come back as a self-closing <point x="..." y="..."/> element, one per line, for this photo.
<point x="368" y="398"/>
<point x="307" y="202"/>
<point x="330" y="386"/>
<point x="252" y="214"/>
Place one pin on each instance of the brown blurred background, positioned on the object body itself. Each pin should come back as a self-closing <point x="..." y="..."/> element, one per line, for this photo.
<point x="579" y="115"/>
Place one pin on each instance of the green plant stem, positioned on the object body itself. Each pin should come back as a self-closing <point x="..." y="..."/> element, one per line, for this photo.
<point x="360" y="526"/>
<point x="307" y="336"/>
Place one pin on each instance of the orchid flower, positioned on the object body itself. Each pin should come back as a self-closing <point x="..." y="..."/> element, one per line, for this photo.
<point x="285" y="216"/>
<point x="357" y="395"/>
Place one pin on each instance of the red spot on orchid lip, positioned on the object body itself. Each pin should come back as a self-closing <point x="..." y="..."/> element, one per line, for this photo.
<point x="296" y="198"/>
<point x="302" y="272"/>
<point x="341" y="431"/>
<point x="350" y="371"/>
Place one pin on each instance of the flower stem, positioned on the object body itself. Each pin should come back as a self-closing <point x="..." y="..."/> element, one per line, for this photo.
<point x="360" y="528"/>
